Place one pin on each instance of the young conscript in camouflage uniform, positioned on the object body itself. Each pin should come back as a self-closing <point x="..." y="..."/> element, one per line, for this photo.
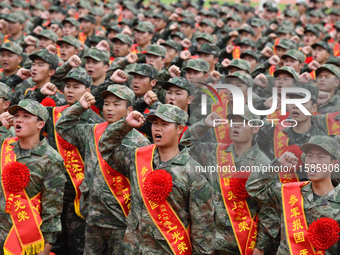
<point x="190" y="197"/>
<point x="103" y="203"/>
<point x="45" y="188"/>
<point x="301" y="203"/>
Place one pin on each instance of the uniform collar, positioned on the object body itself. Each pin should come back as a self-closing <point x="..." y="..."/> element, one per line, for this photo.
<point x="39" y="149"/>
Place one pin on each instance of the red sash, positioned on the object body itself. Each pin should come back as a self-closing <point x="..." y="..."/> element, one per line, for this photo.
<point x="222" y="131"/>
<point x="276" y="42"/>
<point x="336" y="50"/>
<point x="72" y="159"/>
<point x="134" y="48"/>
<point x="272" y="70"/>
<point x="244" y="226"/>
<point x="30" y="89"/>
<point x="25" y="236"/>
<point x="163" y="215"/>
<point x="82" y="37"/>
<point x="333" y="125"/>
<point x="295" y="219"/>
<point x="313" y="75"/>
<point x="180" y="137"/>
<point x="236" y="52"/>
<point x="118" y="183"/>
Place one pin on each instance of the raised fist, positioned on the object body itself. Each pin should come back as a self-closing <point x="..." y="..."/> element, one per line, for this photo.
<point x="135" y="119"/>
<point x="150" y="97"/>
<point x="52" y="49"/>
<point x="6" y="119"/>
<point x="226" y="62"/>
<point x="174" y="71"/>
<point x="87" y="100"/>
<point x="119" y="76"/>
<point x="24" y="73"/>
<point x="74" y="61"/>
<point x="185" y="55"/>
<point x="210" y="120"/>
<point x="267" y="52"/>
<point x="103" y="45"/>
<point x="288" y="159"/>
<point x="186" y="43"/>
<point x="132" y="58"/>
<point x="313" y="65"/>
<point x="274" y="60"/>
<point x="305" y="78"/>
<point x="261" y="81"/>
<point x="49" y="89"/>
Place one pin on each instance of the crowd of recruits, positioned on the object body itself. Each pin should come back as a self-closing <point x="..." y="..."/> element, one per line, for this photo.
<point x="53" y="76"/>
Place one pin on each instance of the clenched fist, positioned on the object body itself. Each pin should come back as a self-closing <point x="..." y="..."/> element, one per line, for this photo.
<point x="119" y="76"/>
<point x="74" y="61"/>
<point x="87" y="100"/>
<point x="135" y="119"/>
<point x="49" y="89"/>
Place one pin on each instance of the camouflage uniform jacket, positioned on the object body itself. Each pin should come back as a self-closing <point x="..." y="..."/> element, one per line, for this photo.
<point x="48" y="177"/>
<point x="10" y="81"/>
<point x="265" y="137"/>
<point x="191" y="197"/>
<point x="206" y="154"/>
<point x="98" y="205"/>
<point x="321" y="121"/>
<point x="333" y="105"/>
<point x="264" y="188"/>
<point x="5" y="133"/>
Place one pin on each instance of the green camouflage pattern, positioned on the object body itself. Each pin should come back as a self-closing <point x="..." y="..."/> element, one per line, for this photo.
<point x="240" y="64"/>
<point x="287" y="69"/>
<point x="49" y="34"/>
<point x="208" y="49"/>
<point x="266" y="189"/>
<point x="12" y="47"/>
<point x="325" y="142"/>
<point x="157" y="50"/>
<point x="79" y="74"/>
<point x="88" y="17"/>
<point x="145" y="70"/>
<point x="324" y="45"/>
<point x="72" y="21"/>
<point x="124" y="38"/>
<point x="235" y="17"/>
<point x="333" y="105"/>
<point x="247" y="29"/>
<point x="98" y="55"/>
<point x="295" y="54"/>
<point x="5" y="92"/>
<point x="172" y="44"/>
<point x="15" y="17"/>
<point x="70" y="40"/>
<point x="170" y="113"/>
<point x="208" y="22"/>
<point x="194" y="208"/>
<point x="196" y="64"/>
<point x="48" y="177"/>
<point x="120" y="91"/>
<point x="330" y="68"/>
<point x="244" y="77"/>
<point x="251" y="53"/>
<point x="311" y="28"/>
<point x="32" y="107"/>
<point x="189" y="21"/>
<point x="312" y="88"/>
<point x="180" y="82"/>
<point x="46" y="56"/>
<point x="208" y="37"/>
<point x="145" y="26"/>
<point x="248" y="42"/>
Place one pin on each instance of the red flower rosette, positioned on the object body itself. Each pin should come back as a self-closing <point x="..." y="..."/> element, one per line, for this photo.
<point x="158" y="185"/>
<point x="323" y="233"/>
<point x="66" y="145"/>
<point x="238" y="185"/>
<point x="296" y="151"/>
<point x="47" y="101"/>
<point x="15" y="178"/>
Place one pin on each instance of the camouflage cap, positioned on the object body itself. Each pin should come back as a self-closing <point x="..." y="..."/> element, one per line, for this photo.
<point x="130" y="6"/>
<point x="235" y="17"/>
<point x="46" y="56"/>
<point x="15" y="17"/>
<point x="12" y="47"/>
<point x="145" y="26"/>
<point x="247" y="29"/>
<point x="188" y="21"/>
<point x="69" y="40"/>
<point x="5" y="92"/>
<point x="49" y="34"/>
<point x="287" y="69"/>
<point x="178" y="34"/>
<point x="295" y="54"/>
<point x="89" y="18"/>
<point x="32" y="106"/>
<point x="337" y="24"/>
<point x="255" y="22"/>
<point x="335" y="12"/>
<point x="208" y="48"/>
<point x="284" y="43"/>
<point x="170" y="113"/>
<point x="196" y="64"/>
<point x="251" y="53"/>
<point x="240" y="64"/>
<point x="207" y="22"/>
<point x="161" y="15"/>
<point x="248" y="115"/>
<point x="98" y="55"/>
<point x="144" y="70"/>
<point x="72" y="21"/>
<point x="17" y="3"/>
<point x="248" y="42"/>
<point x="208" y="37"/>
<point x="284" y="30"/>
<point x="97" y="11"/>
<point x="180" y="82"/>
<point x="330" y="68"/>
<point x="311" y="87"/>
<point x="292" y="13"/>
<point x="212" y="13"/>
<point x="270" y="7"/>
<point x="84" y="4"/>
<point x="79" y="74"/>
<point x="327" y="143"/>
<point x="324" y="45"/>
<point x="114" y="27"/>
<point x="333" y="60"/>
<point x="312" y="29"/>
<point x="120" y="91"/>
<point x="124" y="38"/>
<point x="173" y="44"/>
<point x="157" y="50"/>
<point x="244" y="77"/>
